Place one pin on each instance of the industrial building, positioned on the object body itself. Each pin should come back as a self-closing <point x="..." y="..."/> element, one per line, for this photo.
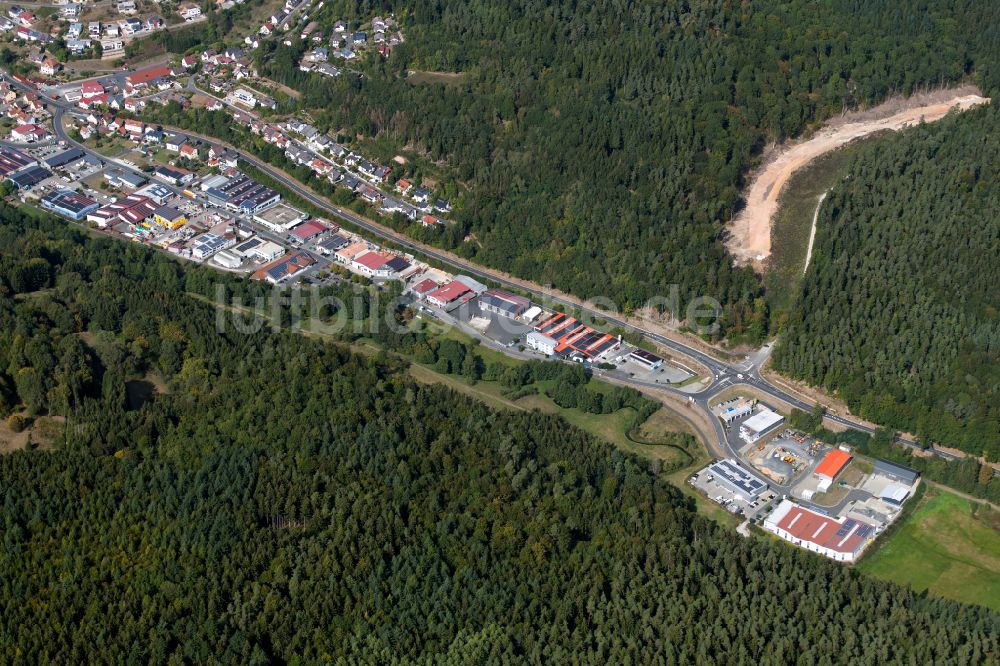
<point x="575" y="339"/>
<point x="242" y="193"/>
<point x="284" y="268"/>
<point x="541" y="343"/>
<point x="832" y="464"/>
<point x="12" y="160"/>
<point x="734" y="409"/>
<point x="841" y="539"/>
<point x="646" y="359"/>
<point x="123" y="179"/>
<point x="29" y="177"/>
<point x="169" y="217"/>
<point x="306" y="231"/>
<point x="896" y="472"/>
<point x="330" y="245"/>
<point x="449" y="293"/>
<point x="209" y="243"/>
<point x="759" y="424"/>
<point x="280" y="218"/>
<point x="503" y="303"/>
<point x="69" y="203"/>
<point x="737" y="480"/>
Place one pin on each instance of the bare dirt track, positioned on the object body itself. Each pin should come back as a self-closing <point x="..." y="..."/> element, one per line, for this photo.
<point x="749" y="234"/>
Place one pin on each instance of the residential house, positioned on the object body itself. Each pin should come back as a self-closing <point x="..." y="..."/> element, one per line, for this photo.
<point x="189" y="11"/>
<point x="174" y="142"/>
<point x="29" y="133"/>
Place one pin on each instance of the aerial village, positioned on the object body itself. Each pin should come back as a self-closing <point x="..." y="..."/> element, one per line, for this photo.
<point x="104" y="166"/>
<point x="99" y="163"/>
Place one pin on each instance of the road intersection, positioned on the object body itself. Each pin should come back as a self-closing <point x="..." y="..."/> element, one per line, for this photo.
<point x="723" y="374"/>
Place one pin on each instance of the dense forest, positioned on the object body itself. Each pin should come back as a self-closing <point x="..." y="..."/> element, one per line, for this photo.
<point x="603" y="144"/>
<point x="900" y="311"/>
<point x="281" y="499"/>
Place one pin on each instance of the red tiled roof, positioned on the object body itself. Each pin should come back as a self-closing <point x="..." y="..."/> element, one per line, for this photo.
<point x="372" y="260"/>
<point x="821" y="530"/>
<point x="449" y="292"/>
<point x="147" y="75"/>
<point x="424" y="286"/>
<point x="307" y="230"/>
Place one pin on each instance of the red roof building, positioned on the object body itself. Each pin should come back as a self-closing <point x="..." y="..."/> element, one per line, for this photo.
<point x="29" y="132"/>
<point x="447" y="294"/>
<point x="837" y="538"/>
<point x="369" y="262"/>
<point x="143" y="77"/>
<point x="308" y="230"/>
<point x="834" y="462"/>
<point x="91" y="88"/>
<point x="424" y="287"/>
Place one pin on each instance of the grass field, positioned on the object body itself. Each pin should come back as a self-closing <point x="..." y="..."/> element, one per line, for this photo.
<point x="948" y="546"/>
<point x="417" y="77"/>
<point x="793" y="221"/>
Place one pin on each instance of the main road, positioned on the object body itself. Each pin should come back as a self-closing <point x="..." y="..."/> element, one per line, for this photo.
<point x="722" y="373"/>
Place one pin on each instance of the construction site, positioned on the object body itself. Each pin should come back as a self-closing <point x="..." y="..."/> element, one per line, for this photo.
<point x="783" y="458"/>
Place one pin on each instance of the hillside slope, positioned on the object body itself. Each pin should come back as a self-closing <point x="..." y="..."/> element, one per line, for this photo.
<point x="604" y="144"/>
<point x="900" y="310"/>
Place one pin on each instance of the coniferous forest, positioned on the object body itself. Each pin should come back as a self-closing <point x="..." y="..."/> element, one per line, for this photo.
<point x="601" y="146"/>
<point x="282" y="499"/>
<point x="900" y="310"/>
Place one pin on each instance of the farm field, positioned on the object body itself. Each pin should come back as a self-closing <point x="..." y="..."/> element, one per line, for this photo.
<point x="947" y="546"/>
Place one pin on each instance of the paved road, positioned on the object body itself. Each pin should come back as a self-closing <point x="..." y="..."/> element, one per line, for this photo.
<point x="723" y="374"/>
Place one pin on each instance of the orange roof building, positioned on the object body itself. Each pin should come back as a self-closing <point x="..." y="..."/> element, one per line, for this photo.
<point x="833" y="464"/>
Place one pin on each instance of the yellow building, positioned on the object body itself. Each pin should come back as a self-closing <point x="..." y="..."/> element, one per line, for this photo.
<point x="169" y="217"/>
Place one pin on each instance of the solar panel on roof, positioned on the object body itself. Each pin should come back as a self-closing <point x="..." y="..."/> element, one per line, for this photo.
<point x="846" y="527"/>
<point x="864" y="530"/>
<point x="603" y="347"/>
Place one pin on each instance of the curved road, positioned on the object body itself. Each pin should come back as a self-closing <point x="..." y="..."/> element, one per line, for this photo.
<point x="723" y="373"/>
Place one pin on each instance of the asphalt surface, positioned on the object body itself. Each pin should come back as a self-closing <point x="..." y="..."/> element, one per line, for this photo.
<point x="724" y="374"/>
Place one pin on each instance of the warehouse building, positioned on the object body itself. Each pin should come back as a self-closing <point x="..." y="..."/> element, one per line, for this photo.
<point x="503" y="303"/>
<point x="728" y="474"/>
<point x="759" y="425"/>
<point x="896" y="472"/>
<point x="895" y="494"/>
<point x="837" y="538"/>
<point x="281" y="217"/>
<point x="65" y="158"/>
<point x="69" y="203"/>
<point x="227" y="259"/>
<point x="832" y="465"/>
<point x="645" y="359"/>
